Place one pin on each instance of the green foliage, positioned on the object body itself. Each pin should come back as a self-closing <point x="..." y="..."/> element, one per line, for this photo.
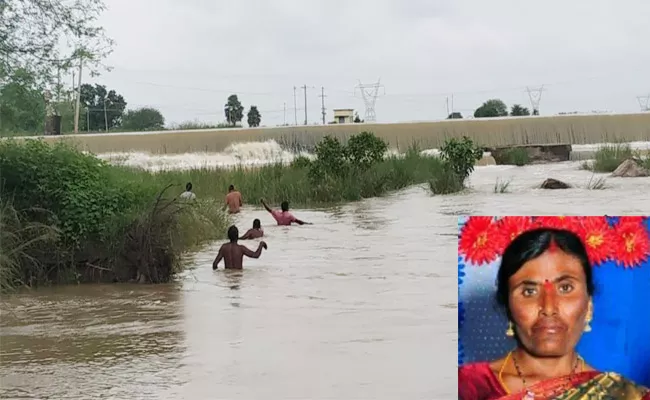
<point x="364" y="150"/>
<point x="22" y="106"/>
<point x="103" y="108"/>
<point x="109" y="222"/>
<point x="515" y="156"/>
<point x="455" y="115"/>
<point x="254" y="117"/>
<point x="501" y="186"/>
<point x="519" y="111"/>
<point x="609" y="157"/>
<point x="335" y="160"/>
<point x="31" y="34"/>
<point x="301" y="162"/>
<point x="234" y="110"/>
<point x="461" y="155"/>
<point x="445" y="181"/>
<point x="143" y="119"/>
<point x="491" y="108"/>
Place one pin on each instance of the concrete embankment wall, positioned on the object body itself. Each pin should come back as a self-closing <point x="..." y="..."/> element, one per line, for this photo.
<point x="574" y="129"/>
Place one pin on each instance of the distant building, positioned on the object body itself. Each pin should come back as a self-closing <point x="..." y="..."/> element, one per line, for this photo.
<point x="343" y="116"/>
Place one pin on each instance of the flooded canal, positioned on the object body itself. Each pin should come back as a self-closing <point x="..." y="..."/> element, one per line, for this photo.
<point x="360" y="305"/>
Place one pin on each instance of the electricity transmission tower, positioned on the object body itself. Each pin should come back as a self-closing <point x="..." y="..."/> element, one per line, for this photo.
<point x="535" y="96"/>
<point x="369" y="94"/>
<point x="644" y="102"/>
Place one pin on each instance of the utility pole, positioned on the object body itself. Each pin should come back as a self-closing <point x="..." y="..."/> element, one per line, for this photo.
<point x="105" y="116"/>
<point x="304" y="87"/>
<point x="76" y="111"/>
<point x="322" y="96"/>
<point x="447" y="100"/>
<point x="295" y="107"/>
<point x="285" y="115"/>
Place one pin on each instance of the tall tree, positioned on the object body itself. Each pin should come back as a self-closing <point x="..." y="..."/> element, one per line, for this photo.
<point x="518" y="111"/>
<point x="22" y="105"/>
<point x="32" y="32"/>
<point x="491" y="108"/>
<point x="96" y="99"/>
<point x="143" y="119"/>
<point x="254" y="117"/>
<point x="234" y="110"/>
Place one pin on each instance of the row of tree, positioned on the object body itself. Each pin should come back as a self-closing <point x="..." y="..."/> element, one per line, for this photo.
<point x="496" y="108"/>
<point x="23" y="108"/>
<point x="234" y="112"/>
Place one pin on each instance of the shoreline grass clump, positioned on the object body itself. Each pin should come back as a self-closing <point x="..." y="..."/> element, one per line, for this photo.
<point x="68" y="217"/>
<point x="458" y="160"/>
<point x="337" y="173"/>
<point x="607" y="158"/>
<point x="514" y="156"/>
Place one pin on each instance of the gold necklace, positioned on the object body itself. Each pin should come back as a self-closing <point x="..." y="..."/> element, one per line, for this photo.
<point x="530" y="395"/>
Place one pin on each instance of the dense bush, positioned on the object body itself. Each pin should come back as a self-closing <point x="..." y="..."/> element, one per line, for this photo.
<point x="609" y="157"/>
<point x="103" y="223"/>
<point x="459" y="158"/>
<point x="516" y="156"/>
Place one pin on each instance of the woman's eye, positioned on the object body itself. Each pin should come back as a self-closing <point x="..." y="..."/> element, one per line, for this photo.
<point x="527" y="292"/>
<point x="566" y="288"/>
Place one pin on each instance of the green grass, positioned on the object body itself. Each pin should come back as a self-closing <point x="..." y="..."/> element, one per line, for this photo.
<point x="599" y="183"/>
<point x="609" y="157"/>
<point x="501" y="186"/>
<point x="279" y="182"/>
<point x="66" y="217"/>
<point x="515" y="156"/>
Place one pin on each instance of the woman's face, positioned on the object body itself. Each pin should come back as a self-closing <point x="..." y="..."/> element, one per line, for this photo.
<point x="548" y="302"/>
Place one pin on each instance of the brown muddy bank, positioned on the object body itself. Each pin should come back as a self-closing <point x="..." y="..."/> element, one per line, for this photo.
<point x="573" y="129"/>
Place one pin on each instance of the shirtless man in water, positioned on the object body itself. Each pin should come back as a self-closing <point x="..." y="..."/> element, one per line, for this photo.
<point x="283" y="217"/>
<point x="233" y="200"/>
<point x="233" y="253"/>
<point x="254" y="233"/>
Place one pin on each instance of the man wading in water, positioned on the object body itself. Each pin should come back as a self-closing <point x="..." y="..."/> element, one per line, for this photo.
<point x="283" y="217"/>
<point x="233" y="253"/>
<point x="254" y="233"/>
<point x="233" y="200"/>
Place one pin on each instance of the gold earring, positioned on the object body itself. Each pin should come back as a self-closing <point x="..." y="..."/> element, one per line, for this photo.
<point x="510" y="332"/>
<point x="590" y="316"/>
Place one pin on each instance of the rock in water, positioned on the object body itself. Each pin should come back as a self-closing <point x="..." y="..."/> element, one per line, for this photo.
<point x="630" y="169"/>
<point x="551" y="183"/>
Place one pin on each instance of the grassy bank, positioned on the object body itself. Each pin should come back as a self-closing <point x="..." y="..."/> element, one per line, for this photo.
<point x="67" y="217"/>
<point x="608" y="158"/>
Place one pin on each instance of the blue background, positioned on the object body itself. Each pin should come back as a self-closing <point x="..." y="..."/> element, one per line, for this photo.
<point x="620" y="336"/>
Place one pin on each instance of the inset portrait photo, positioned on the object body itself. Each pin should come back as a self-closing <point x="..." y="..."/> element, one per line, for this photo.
<point x="554" y="307"/>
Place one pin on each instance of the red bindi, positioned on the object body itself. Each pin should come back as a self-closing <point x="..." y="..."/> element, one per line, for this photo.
<point x="548" y="286"/>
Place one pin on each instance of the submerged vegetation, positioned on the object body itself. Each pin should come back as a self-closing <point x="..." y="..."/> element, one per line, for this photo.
<point x="458" y="159"/>
<point x="609" y="157"/>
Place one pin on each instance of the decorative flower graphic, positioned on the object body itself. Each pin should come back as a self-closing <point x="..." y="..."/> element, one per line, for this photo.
<point x="511" y="227"/>
<point x="479" y="240"/>
<point x="631" y="244"/>
<point x="598" y="238"/>
<point x="559" y="222"/>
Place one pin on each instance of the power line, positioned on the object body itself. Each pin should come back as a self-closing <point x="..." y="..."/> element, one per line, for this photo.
<point x="535" y="96"/>
<point x="644" y="102"/>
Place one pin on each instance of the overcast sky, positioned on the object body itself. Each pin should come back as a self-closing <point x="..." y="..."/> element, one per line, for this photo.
<point x="185" y="57"/>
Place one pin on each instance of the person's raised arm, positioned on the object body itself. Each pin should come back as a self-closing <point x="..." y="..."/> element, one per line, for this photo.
<point x="300" y="222"/>
<point x="218" y="259"/>
<point x="254" y="254"/>
<point x="266" y="206"/>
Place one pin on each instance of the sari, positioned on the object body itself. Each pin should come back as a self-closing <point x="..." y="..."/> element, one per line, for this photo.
<point x="477" y="381"/>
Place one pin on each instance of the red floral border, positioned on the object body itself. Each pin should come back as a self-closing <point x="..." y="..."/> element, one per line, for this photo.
<point x="483" y="239"/>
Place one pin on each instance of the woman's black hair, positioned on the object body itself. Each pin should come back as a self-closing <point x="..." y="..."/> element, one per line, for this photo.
<point x="532" y="244"/>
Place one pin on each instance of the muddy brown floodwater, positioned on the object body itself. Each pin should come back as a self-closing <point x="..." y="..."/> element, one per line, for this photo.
<point x="360" y="305"/>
